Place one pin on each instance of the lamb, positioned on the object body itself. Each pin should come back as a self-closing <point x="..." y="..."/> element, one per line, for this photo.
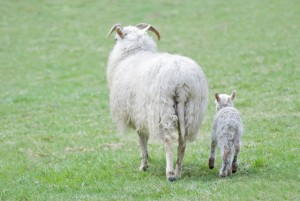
<point x="227" y="132"/>
<point x="155" y="93"/>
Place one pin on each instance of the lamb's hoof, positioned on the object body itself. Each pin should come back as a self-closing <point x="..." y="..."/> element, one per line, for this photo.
<point x="211" y="163"/>
<point x="234" y="168"/>
<point x="143" y="168"/>
<point x="224" y="174"/>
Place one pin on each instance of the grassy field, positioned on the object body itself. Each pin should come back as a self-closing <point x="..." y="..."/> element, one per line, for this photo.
<point x="57" y="140"/>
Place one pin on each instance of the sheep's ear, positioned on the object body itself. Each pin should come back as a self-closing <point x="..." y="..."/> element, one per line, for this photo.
<point x="233" y="94"/>
<point x="217" y="97"/>
<point x="117" y="28"/>
<point x="119" y="32"/>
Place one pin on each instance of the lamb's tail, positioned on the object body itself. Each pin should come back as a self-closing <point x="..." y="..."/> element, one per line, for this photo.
<point x="181" y="121"/>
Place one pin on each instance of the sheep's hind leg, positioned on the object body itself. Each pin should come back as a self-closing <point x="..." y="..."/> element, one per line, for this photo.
<point x="143" y="142"/>
<point x="235" y="157"/>
<point x="180" y="155"/>
<point x="169" y="159"/>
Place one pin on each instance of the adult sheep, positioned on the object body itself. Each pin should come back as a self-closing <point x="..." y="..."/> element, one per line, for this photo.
<point x="155" y="93"/>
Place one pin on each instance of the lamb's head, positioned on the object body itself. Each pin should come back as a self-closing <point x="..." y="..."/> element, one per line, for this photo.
<point x="224" y="100"/>
<point x="134" y="38"/>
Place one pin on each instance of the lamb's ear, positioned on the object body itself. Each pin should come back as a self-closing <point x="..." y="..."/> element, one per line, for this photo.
<point x="217" y="97"/>
<point x="117" y="28"/>
<point x="233" y="94"/>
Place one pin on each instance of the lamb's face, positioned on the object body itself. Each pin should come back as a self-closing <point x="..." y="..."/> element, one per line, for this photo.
<point x="224" y="100"/>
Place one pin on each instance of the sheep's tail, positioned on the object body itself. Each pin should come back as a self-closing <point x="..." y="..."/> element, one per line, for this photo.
<point x="181" y="121"/>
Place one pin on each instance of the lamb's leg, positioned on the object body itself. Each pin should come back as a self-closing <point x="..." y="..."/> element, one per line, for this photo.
<point x="143" y="142"/>
<point x="213" y="146"/>
<point x="180" y="155"/>
<point x="235" y="157"/>
<point x="226" y="161"/>
<point x="169" y="159"/>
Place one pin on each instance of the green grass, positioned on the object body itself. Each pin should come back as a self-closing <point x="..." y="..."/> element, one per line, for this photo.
<point x="57" y="140"/>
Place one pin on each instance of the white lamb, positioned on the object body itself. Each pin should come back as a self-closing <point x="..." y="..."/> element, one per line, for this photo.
<point x="155" y="93"/>
<point x="227" y="132"/>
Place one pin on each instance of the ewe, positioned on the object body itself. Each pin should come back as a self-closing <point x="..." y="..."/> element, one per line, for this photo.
<point x="227" y="132"/>
<point x="155" y="93"/>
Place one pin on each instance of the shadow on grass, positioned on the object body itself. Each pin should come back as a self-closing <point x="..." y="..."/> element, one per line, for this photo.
<point x="198" y="172"/>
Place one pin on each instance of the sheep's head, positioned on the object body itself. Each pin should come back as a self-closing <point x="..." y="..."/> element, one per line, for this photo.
<point x="224" y="100"/>
<point x="134" y="37"/>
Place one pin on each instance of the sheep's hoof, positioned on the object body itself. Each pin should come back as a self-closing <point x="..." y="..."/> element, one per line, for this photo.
<point x="211" y="163"/>
<point x="178" y="172"/>
<point x="178" y="176"/>
<point x="171" y="179"/>
<point x="171" y="176"/>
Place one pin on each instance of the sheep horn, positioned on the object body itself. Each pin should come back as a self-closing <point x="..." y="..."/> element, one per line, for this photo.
<point x="217" y="97"/>
<point x="148" y="27"/>
<point x="117" y="28"/>
<point x="233" y="94"/>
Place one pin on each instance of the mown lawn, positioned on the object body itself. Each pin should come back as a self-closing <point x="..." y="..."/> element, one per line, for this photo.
<point x="57" y="140"/>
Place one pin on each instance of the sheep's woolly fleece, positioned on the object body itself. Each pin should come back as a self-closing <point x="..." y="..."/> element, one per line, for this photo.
<point x="146" y="85"/>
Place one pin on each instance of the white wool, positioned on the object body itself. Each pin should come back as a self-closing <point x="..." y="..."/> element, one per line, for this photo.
<point x="227" y="122"/>
<point x="227" y="133"/>
<point x="146" y="86"/>
<point x="227" y="126"/>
